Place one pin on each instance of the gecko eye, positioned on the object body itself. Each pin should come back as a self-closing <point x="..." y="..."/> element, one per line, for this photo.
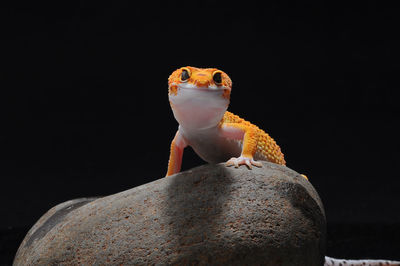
<point x="185" y="74"/>
<point x="217" y="77"/>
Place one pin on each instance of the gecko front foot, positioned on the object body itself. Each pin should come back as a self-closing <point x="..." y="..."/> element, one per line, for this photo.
<point x="243" y="161"/>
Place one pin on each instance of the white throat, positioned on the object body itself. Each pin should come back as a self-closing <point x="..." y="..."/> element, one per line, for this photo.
<point x="197" y="108"/>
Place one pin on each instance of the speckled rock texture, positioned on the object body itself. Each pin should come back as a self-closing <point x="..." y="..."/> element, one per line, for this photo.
<point x="210" y="215"/>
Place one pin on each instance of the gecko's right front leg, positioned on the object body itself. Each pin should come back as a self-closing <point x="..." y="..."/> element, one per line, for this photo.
<point x="176" y="153"/>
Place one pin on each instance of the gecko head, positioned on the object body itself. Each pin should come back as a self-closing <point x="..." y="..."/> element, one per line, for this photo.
<point x="205" y="79"/>
<point x="199" y="97"/>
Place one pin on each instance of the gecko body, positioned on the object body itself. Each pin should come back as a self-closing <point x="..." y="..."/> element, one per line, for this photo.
<point x="199" y="99"/>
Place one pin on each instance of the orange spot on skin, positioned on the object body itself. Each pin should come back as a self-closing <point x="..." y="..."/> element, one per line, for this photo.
<point x="226" y="94"/>
<point x="173" y="89"/>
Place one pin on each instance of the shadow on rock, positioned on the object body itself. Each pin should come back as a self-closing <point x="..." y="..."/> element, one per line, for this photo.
<point x="194" y="205"/>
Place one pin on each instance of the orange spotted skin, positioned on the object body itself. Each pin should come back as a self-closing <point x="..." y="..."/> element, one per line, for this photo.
<point x="266" y="148"/>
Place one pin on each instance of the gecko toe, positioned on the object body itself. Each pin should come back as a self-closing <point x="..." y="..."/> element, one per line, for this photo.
<point x="230" y="162"/>
<point x="255" y="163"/>
<point x="248" y="163"/>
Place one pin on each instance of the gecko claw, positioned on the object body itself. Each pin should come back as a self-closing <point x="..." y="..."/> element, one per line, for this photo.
<point x="232" y="161"/>
<point x="249" y="162"/>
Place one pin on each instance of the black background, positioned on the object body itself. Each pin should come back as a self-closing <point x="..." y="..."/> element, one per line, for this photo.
<point x="85" y="112"/>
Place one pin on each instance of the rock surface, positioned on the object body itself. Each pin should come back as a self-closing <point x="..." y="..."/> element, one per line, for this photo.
<point x="210" y="215"/>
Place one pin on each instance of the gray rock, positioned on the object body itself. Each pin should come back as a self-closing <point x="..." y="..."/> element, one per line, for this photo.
<point x="210" y="215"/>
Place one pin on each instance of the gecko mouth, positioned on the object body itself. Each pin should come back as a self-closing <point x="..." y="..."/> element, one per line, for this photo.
<point x="201" y="88"/>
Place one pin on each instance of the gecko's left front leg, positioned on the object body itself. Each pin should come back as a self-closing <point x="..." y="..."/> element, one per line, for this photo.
<point x="249" y="136"/>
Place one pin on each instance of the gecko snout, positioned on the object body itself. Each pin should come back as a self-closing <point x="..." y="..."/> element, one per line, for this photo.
<point x="201" y="79"/>
<point x="202" y="83"/>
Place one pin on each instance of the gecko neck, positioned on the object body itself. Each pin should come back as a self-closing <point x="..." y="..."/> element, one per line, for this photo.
<point x="198" y="110"/>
